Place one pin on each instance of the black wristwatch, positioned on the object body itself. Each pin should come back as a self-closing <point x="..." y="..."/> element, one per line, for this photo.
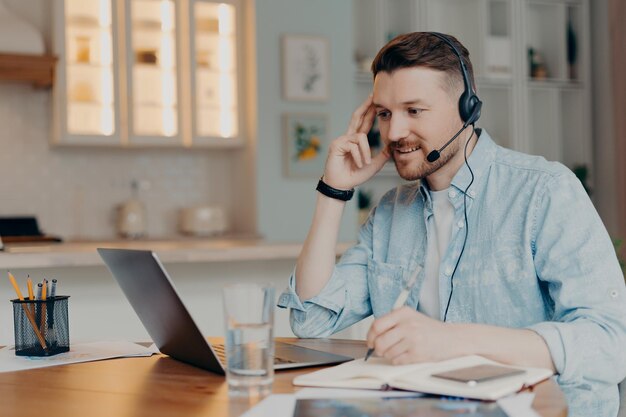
<point x="328" y="191"/>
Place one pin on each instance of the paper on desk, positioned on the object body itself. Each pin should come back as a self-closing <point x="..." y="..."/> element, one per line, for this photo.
<point x="79" y="352"/>
<point x="275" y="405"/>
<point x="519" y="405"/>
<point x="283" y="405"/>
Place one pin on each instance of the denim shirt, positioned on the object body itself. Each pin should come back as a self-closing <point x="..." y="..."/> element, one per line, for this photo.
<point x="537" y="257"/>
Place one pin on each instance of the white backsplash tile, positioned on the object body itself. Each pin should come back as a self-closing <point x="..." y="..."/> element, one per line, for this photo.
<point x="74" y="191"/>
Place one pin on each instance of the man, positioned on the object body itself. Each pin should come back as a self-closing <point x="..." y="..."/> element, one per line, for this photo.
<point x="514" y="263"/>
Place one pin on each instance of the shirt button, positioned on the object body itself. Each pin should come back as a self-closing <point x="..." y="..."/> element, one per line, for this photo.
<point x="614" y="293"/>
<point x="472" y="193"/>
<point x="461" y="224"/>
<point x="451" y="193"/>
<point x="448" y="271"/>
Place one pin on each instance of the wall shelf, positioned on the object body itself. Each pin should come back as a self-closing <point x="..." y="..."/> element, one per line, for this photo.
<point x="37" y="70"/>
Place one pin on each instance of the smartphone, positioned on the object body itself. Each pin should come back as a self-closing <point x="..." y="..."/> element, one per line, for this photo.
<point x="480" y="373"/>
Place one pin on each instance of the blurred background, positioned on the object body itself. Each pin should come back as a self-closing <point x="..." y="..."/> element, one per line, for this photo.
<point x="199" y="128"/>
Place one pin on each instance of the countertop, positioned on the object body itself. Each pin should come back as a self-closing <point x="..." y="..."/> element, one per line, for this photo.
<point x="83" y="253"/>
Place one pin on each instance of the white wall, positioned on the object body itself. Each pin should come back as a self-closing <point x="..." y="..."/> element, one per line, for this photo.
<point x="285" y="205"/>
<point x="35" y="12"/>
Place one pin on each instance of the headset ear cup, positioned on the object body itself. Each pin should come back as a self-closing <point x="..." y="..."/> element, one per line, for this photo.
<point x="476" y="108"/>
<point x="469" y="107"/>
<point x="465" y="105"/>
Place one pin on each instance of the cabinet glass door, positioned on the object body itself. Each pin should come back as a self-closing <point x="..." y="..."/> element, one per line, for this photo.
<point x="153" y="80"/>
<point x="214" y="63"/>
<point x="89" y="68"/>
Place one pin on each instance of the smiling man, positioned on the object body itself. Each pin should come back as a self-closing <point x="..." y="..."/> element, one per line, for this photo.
<point x="513" y="263"/>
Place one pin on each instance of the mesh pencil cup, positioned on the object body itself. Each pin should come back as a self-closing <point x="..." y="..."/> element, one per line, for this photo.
<point x="41" y="327"/>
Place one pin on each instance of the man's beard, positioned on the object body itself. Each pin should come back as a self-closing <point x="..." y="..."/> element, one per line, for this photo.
<point x="420" y="170"/>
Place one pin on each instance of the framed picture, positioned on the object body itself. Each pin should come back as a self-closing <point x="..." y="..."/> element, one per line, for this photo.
<point x="306" y="144"/>
<point x="305" y="67"/>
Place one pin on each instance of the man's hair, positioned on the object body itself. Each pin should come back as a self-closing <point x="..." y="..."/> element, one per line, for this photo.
<point x="423" y="49"/>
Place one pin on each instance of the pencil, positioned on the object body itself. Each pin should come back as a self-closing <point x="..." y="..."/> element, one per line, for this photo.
<point x="15" y="286"/>
<point x="44" y="305"/>
<point x="31" y="296"/>
<point x="44" y="290"/>
<point x="29" y="283"/>
<point x="29" y="316"/>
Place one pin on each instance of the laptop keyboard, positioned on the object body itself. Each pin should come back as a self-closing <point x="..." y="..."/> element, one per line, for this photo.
<point x="219" y="350"/>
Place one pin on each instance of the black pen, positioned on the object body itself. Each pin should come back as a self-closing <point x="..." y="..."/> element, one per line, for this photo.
<point x="53" y="288"/>
<point x="51" y="329"/>
<point x="400" y="301"/>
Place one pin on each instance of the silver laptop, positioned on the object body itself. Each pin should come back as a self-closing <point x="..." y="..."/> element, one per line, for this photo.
<point x="170" y="325"/>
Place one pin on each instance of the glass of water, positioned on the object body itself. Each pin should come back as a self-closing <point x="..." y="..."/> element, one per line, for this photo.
<point x="249" y="315"/>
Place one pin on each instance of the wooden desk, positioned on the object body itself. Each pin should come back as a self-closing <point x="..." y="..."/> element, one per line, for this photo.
<point x="159" y="386"/>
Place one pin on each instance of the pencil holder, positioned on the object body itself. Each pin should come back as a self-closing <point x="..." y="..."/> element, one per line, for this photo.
<point x="41" y="327"/>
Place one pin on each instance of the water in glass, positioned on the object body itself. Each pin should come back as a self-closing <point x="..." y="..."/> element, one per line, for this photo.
<point x="250" y="358"/>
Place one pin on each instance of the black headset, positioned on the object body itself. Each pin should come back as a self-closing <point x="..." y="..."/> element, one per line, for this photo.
<point x="469" y="103"/>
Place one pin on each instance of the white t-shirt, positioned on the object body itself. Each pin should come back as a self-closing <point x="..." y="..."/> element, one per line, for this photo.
<point x="439" y="229"/>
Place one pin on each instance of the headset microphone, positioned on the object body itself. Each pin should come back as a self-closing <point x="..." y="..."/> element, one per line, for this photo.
<point x="434" y="155"/>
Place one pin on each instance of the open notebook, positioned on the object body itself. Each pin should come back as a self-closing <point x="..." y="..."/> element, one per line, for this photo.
<point x="378" y="373"/>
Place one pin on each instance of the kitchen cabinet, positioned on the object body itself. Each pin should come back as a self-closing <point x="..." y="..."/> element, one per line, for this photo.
<point x="135" y="73"/>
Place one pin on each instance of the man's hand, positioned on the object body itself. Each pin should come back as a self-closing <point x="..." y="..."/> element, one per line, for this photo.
<point x="406" y="336"/>
<point x="350" y="161"/>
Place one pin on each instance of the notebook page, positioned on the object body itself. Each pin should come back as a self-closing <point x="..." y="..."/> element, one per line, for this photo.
<point x="372" y="374"/>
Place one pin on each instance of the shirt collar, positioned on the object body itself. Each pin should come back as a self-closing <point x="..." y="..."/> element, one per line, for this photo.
<point x="479" y="160"/>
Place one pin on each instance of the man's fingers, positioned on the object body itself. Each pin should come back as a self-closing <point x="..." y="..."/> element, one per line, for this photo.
<point x="384" y="323"/>
<point x="358" y="148"/>
<point x="377" y="163"/>
<point x="380" y="326"/>
<point x="388" y="340"/>
<point x="357" y="116"/>
<point x="365" y="147"/>
<point x="401" y="348"/>
<point x="403" y="359"/>
<point x="356" y="154"/>
<point x="367" y="120"/>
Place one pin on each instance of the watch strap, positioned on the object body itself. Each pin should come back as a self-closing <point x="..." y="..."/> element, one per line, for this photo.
<point x="328" y="191"/>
